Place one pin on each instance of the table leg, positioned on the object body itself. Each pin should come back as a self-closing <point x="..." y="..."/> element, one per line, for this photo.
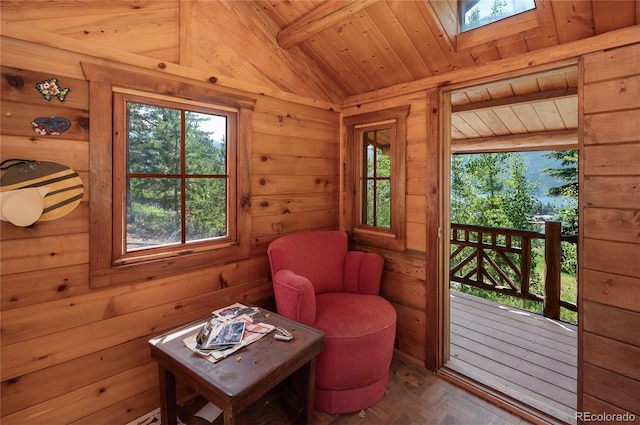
<point x="307" y="375"/>
<point x="168" y="409"/>
<point x="229" y="418"/>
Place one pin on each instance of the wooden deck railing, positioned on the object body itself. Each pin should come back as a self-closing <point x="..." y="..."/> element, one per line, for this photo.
<point x="500" y="260"/>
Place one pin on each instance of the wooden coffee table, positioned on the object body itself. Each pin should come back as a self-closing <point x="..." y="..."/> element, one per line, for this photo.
<point x="235" y="382"/>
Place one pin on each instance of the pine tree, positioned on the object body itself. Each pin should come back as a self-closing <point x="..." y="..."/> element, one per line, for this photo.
<point x="567" y="213"/>
<point x="568" y="175"/>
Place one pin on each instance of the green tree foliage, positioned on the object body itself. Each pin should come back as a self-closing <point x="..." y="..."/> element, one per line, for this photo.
<point x="474" y="16"/>
<point x="497" y="6"/>
<point x="381" y="192"/>
<point x="567" y="212"/>
<point x="206" y="198"/>
<point x="491" y="190"/>
<point x="568" y="190"/>
<point x="154" y="197"/>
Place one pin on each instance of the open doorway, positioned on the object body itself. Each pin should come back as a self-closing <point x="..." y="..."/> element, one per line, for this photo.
<point x="511" y="327"/>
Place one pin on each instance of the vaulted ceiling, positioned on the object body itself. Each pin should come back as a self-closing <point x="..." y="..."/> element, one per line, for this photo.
<point x="366" y="45"/>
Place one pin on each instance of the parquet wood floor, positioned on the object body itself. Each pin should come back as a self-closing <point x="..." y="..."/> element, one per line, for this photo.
<point x="415" y="397"/>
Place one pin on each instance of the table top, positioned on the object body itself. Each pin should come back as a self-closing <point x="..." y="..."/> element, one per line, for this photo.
<point x="265" y="362"/>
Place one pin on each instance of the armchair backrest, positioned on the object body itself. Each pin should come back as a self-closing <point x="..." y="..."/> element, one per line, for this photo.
<point x="318" y="256"/>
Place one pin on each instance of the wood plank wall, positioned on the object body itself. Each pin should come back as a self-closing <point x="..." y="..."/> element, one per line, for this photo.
<point x="404" y="280"/>
<point x="610" y="249"/>
<point x="240" y="45"/>
<point x="72" y="354"/>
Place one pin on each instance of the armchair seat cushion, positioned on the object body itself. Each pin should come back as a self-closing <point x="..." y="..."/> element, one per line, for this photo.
<point x="359" y="329"/>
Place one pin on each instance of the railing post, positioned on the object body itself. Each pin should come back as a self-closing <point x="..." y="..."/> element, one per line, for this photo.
<point x="525" y="265"/>
<point x="480" y="259"/>
<point x="552" y="255"/>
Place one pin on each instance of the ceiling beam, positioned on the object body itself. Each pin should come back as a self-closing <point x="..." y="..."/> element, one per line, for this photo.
<point x="320" y="18"/>
<point x="541" y="141"/>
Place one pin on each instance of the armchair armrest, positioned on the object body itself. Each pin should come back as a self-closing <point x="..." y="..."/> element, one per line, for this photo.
<point x="363" y="272"/>
<point x="295" y="297"/>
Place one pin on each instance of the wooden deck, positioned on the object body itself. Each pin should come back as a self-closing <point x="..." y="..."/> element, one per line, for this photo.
<point x="527" y="357"/>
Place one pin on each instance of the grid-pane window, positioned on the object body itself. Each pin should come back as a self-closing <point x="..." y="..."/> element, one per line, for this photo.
<point x="176" y="168"/>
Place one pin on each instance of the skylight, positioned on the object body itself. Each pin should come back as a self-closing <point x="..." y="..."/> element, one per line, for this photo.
<point x="477" y="13"/>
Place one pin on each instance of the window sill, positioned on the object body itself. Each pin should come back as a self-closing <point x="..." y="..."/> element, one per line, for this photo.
<point x="386" y="240"/>
<point x="165" y="266"/>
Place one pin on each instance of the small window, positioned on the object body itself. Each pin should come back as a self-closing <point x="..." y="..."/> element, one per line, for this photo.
<point x="477" y="13"/>
<point x="377" y="175"/>
<point x="175" y="160"/>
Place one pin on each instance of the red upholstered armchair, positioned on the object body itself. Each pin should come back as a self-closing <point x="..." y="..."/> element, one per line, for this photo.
<point x="318" y="282"/>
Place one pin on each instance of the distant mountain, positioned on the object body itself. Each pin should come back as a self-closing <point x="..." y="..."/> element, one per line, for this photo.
<point x="537" y="162"/>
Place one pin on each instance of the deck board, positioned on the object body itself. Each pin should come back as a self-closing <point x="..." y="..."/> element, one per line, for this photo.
<point x="525" y="356"/>
<point x="546" y="343"/>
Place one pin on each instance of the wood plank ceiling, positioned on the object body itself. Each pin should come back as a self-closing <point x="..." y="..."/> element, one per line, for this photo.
<point x="537" y="112"/>
<point x="366" y="45"/>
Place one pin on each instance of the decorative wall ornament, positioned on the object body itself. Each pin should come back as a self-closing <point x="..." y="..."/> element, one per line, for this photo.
<point x="59" y="187"/>
<point x="50" y="89"/>
<point x="52" y="126"/>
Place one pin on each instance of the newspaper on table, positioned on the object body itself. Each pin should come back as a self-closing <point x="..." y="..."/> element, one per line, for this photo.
<point x="234" y="311"/>
<point x="230" y="329"/>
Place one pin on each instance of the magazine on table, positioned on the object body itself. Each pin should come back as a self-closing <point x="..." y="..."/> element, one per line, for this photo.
<point x="253" y="332"/>
<point x="217" y="335"/>
<point x="229" y="329"/>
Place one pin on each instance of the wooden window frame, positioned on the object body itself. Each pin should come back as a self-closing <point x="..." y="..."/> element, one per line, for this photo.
<point x="393" y="238"/>
<point x="104" y="268"/>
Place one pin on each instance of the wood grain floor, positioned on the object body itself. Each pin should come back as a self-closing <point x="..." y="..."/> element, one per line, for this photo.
<point x="415" y="396"/>
<point x="527" y="357"/>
